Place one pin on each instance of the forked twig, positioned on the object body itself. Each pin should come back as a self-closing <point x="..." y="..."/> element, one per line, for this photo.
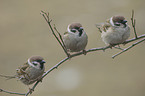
<point x="134" y="44"/>
<point x="133" y="22"/>
<point x="136" y="37"/>
<point x="47" y="19"/>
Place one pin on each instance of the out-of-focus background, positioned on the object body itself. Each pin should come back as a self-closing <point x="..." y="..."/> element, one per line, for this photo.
<point x="24" y="32"/>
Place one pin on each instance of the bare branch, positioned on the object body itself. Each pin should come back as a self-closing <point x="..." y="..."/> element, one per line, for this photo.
<point x="60" y="40"/>
<point x="81" y="53"/>
<point x="47" y="19"/>
<point x="7" y="77"/>
<point x="134" y="44"/>
<point x="1" y="90"/>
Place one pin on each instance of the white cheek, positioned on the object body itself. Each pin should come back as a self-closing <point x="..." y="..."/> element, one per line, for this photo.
<point x="69" y="31"/>
<point x="30" y="63"/>
<point x="37" y="66"/>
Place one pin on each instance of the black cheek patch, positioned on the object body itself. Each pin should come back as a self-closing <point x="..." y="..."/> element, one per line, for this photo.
<point x="34" y="64"/>
<point x="73" y="30"/>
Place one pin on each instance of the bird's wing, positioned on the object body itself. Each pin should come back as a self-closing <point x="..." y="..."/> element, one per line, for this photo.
<point x="25" y="66"/>
<point x="105" y="26"/>
<point x="99" y="24"/>
<point x="21" y="70"/>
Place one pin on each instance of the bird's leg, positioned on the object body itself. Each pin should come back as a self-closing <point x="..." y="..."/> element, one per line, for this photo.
<point x="111" y="45"/>
<point x="23" y="73"/>
<point x="39" y="79"/>
<point x="68" y="54"/>
<point x="30" y="89"/>
<point x="84" y="52"/>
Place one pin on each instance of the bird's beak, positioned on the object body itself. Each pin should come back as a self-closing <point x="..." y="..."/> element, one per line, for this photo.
<point x="124" y="21"/>
<point x="42" y="62"/>
<point x="80" y="29"/>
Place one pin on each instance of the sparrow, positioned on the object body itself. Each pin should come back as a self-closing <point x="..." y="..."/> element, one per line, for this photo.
<point x="75" y="39"/>
<point x="31" y="71"/>
<point x="115" y="30"/>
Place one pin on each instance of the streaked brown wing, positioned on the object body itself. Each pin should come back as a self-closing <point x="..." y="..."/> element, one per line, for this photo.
<point x="21" y="70"/>
<point x="106" y="26"/>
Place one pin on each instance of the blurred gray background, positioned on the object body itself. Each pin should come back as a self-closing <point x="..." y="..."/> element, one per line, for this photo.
<point x="24" y="32"/>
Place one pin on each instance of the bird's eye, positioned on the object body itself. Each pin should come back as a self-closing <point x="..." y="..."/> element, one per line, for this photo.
<point x="73" y="30"/>
<point x="35" y="63"/>
<point x="117" y="24"/>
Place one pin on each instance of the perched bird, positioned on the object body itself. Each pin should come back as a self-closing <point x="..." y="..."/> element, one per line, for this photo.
<point x="31" y="71"/>
<point x="75" y="39"/>
<point x="115" y="30"/>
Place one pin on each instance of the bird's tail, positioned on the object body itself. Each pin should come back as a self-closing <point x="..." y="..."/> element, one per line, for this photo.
<point x="99" y="26"/>
<point x="8" y="77"/>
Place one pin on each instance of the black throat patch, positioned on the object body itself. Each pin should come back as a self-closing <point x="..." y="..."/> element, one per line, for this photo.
<point x="80" y="32"/>
<point x="41" y="65"/>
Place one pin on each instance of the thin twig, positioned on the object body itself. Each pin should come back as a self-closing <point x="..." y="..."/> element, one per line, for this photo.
<point x="7" y="77"/>
<point x="128" y="48"/>
<point x="61" y="40"/>
<point x="47" y="19"/>
<point x="1" y="90"/>
<point x="133" y="22"/>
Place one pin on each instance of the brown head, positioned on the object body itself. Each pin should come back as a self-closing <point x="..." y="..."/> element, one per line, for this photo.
<point x="36" y="61"/>
<point x="75" y="27"/>
<point x="118" y="20"/>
